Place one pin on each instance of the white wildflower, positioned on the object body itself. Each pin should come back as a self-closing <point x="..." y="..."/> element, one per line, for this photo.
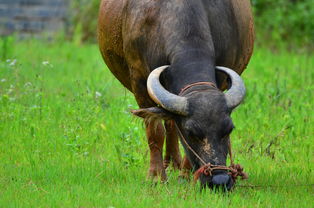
<point x="98" y="94"/>
<point x="8" y="60"/>
<point x="47" y="63"/>
<point x="13" y="62"/>
<point x="34" y="107"/>
<point x="28" y="84"/>
<point x="3" y="80"/>
<point x="9" y="91"/>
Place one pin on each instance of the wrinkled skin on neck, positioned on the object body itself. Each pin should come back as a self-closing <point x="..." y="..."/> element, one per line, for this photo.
<point x="206" y="129"/>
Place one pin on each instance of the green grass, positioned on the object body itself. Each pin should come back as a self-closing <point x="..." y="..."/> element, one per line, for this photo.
<point x="67" y="139"/>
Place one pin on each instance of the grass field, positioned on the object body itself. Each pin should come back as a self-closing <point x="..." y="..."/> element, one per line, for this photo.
<point x="67" y="138"/>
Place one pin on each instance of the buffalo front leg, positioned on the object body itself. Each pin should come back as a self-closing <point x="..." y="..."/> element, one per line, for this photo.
<point x="154" y="128"/>
<point x="172" y="146"/>
<point x="155" y="136"/>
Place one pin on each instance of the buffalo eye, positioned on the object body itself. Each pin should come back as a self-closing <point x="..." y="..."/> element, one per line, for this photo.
<point x="227" y="128"/>
<point x="194" y="130"/>
<point x="197" y="133"/>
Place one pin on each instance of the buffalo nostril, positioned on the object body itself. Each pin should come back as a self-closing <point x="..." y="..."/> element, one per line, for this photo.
<point x="221" y="179"/>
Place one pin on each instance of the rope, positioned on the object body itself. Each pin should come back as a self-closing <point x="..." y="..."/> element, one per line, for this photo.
<point x="211" y="84"/>
<point x="275" y="186"/>
<point x="188" y="146"/>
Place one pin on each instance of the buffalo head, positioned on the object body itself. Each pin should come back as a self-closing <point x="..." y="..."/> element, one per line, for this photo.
<point x="202" y="116"/>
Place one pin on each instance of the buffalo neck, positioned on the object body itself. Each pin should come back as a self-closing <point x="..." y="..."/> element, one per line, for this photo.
<point x="186" y="42"/>
<point x="188" y="45"/>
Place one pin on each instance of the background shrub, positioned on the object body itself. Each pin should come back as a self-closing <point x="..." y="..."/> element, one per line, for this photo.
<point x="276" y="22"/>
<point x="284" y="20"/>
<point x="84" y="14"/>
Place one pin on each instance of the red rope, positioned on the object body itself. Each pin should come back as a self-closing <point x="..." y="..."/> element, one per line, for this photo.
<point x="234" y="171"/>
<point x="211" y="84"/>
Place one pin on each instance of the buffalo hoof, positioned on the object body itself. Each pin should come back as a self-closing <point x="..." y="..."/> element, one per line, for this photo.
<point x="184" y="176"/>
<point x="157" y="176"/>
<point x="183" y="179"/>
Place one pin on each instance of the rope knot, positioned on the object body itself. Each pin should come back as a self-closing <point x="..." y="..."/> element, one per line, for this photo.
<point x="234" y="170"/>
<point x="205" y="169"/>
<point x="208" y="171"/>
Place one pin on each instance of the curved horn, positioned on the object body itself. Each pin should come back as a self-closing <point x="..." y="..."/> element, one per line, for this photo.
<point x="161" y="96"/>
<point x="236" y="92"/>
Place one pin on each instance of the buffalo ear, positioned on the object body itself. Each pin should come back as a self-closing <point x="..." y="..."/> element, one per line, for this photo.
<point x="153" y="113"/>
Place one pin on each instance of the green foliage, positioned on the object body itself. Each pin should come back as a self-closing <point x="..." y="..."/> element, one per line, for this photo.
<point x="68" y="140"/>
<point x="285" y="20"/>
<point x="7" y="47"/>
<point x="276" y="22"/>
<point x="84" y="14"/>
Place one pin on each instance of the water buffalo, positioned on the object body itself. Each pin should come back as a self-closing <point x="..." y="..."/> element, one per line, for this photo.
<point x="166" y="52"/>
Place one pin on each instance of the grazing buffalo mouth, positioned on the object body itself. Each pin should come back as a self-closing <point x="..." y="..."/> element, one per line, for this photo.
<point x="218" y="181"/>
<point x="219" y="177"/>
